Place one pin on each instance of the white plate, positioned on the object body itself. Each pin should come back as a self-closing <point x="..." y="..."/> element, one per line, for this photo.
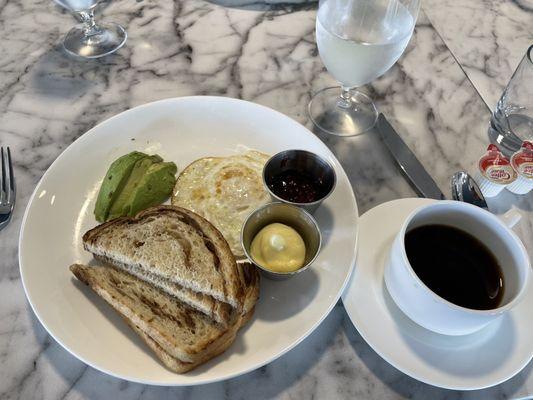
<point x="180" y="130"/>
<point x="483" y="359"/>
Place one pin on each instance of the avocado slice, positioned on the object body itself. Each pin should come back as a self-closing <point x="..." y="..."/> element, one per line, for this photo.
<point x="154" y="187"/>
<point x="116" y="177"/>
<point x="122" y="205"/>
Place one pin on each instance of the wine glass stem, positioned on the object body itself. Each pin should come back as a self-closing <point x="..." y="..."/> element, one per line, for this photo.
<point x="346" y="98"/>
<point x="88" y="19"/>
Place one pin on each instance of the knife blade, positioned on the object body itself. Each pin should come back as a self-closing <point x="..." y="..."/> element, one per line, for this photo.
<point x="415" y="172"/>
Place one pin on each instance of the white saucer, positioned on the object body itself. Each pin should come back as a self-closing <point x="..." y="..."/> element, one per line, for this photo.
<point x="476" y="361"/>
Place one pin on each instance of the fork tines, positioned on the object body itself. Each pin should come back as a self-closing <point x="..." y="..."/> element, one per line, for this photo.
<point x="7" y="180"/>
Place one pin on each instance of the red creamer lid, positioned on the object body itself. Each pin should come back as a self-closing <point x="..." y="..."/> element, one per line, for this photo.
<point x="522" y="160"/>
<point x="496" y="167"/>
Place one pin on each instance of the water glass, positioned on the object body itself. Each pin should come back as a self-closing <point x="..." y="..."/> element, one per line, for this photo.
<point x="89" y="39"/>
<point x="358" y="41"/>
<point x="512" y="121"/>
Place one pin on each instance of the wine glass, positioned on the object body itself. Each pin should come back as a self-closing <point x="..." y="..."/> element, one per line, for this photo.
<point x="358" y="41"/>
<point x="91" y="40"/>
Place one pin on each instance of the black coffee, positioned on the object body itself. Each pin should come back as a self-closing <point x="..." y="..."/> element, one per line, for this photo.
<point x="456" y="266"/>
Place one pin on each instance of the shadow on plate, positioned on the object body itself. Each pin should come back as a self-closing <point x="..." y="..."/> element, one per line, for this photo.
<point x="477" y="344"/>
<point x="275" y="378"/>
<point x="67" y="365"/>
<point x="420" y="339"/>
<point x="114" y="317"/>
<point x="281" y="300"/>
<point x="264" y="383"/>
<point x="324" y="218"/>
<point x="407" y="387"/>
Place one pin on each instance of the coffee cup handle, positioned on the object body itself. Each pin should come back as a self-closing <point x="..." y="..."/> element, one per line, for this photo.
<point x="511" y="217"/>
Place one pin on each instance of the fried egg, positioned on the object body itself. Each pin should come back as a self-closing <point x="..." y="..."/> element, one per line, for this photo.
<point x="224" y="190"/>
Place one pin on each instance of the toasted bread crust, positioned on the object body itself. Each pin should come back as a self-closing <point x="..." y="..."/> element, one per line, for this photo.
<point x="233" y="292"/>
<point x="175" y="364"/>
<point x="175" y="355"/>
<point x="187" y="353"/>
<point x="219" y="311"/>
<point x="181" y="367"/>
<point x="251" y="281"/>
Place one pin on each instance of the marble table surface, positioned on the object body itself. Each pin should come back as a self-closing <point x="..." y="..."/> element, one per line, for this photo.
<point x="438" y="96"/>
<point x="487" y="37"/>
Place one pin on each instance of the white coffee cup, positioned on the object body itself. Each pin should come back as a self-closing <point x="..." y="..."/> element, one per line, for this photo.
<point x="433" y="312"/>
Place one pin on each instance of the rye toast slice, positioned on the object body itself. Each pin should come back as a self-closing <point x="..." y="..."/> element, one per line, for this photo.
<point x="250" y="277"/>
<point x="181" y="331"/>
<point x="175" y="364"/>
<point x="176" y="250"/>
<point x="175" y="331"/>
<point x="215" y="309"/>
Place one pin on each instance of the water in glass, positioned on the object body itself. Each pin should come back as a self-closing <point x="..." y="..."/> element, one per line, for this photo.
<point x="358" y="41"/>
<point x="356" y="54"/>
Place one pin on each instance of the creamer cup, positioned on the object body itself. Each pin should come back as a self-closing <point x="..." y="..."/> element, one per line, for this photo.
<point x="494" y="172"/>
<point x="522" y="163"/>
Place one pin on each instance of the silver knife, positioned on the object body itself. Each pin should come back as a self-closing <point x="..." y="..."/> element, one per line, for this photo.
<point x="421" y="181"/>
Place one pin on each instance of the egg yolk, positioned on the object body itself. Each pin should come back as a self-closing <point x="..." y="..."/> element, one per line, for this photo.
<point x="279" y="248"/>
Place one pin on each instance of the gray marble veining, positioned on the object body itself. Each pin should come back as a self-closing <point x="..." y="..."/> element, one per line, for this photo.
<point x="488" y="38"/>
<point x="265" y="54"/>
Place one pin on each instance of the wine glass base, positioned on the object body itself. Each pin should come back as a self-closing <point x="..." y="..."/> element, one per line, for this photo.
<point x="109" y="38"/>
<point x="329" y="114"/>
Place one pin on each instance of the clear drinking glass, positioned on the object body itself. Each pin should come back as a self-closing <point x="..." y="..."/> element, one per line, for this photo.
<point x="358" y="41"/>
<point x="91" y="40"/>
<point x="512" y="121"/>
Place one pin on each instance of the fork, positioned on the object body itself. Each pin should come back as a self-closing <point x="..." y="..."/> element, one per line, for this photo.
<point x="7" y="188"/>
